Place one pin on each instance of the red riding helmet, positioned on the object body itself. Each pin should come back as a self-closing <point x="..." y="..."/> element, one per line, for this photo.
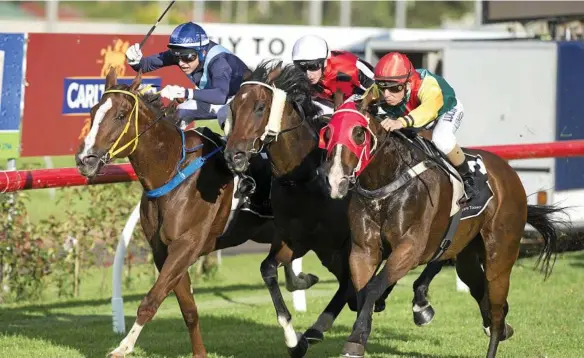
<point x="394" y="67"/>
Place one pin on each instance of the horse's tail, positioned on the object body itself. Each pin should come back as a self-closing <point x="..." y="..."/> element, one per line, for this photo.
<point x="540" y="217"/>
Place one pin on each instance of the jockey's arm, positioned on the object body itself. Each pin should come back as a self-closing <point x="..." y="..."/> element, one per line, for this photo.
<point x="431" y="100"/>
<point x="154" y="62"/>
<point x="220" y="75"/>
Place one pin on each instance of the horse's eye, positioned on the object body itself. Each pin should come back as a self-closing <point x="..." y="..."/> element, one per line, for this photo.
<point x="120" y="116"/>
<point x="259" y="108"/>
<point x="359" y="135"/>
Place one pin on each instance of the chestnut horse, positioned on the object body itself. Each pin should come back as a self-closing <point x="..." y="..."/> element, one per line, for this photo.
<point x="403" y="198"/>
<point x="181" y="220"/>
<point x="273" y="110"/>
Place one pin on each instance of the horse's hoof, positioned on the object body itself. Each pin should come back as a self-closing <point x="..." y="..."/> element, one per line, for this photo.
<point x="379" y="306"/>
<point x="353" y="350"/>
<point x="115" y="355"/>
<point x="301" y="347"/>
<point x="303" y="282"/>
<point x="508" y="332"/>
<point x="313" y="336"/>
<point x="423" y="316"/>
<point x="309" y="278"/>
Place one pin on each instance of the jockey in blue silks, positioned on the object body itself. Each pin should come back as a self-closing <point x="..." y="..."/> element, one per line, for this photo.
<point x="215" y="71"/>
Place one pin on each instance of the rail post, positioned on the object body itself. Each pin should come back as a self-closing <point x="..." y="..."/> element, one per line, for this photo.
<point x="119" y="323"/>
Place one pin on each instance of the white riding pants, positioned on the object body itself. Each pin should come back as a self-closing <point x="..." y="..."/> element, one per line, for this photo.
<point x="326" y="110"/>
<point x="192" y="110"/>
<point x="446" y="125"/>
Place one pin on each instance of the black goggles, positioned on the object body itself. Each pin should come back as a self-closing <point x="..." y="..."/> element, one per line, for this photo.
<point x="392" y="87"/>
<point x="186" y="57"/>
<point x="309" y="65"/>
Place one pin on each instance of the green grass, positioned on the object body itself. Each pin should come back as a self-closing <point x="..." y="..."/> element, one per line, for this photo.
<point x="44" y="202"/>
<point x="238" y="320"/>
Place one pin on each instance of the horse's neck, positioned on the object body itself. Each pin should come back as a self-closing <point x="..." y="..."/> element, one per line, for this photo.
<point x="389" y="163"/>
<point x="157" y="154"/>
<point x="291" y="149"/>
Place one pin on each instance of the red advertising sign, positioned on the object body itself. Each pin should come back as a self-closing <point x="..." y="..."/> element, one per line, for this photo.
<point x="65" y="76"/>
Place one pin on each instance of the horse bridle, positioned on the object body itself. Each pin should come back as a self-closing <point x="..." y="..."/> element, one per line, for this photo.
<point x="272" y="130"/>
<point x="112" y="152"/>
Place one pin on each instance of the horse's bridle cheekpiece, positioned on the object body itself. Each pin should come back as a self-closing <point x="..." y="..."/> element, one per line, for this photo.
<point x="112" y="152"/>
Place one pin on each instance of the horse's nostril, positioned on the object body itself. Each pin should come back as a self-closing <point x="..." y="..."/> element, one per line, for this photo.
<point x="344" y="186"/>
<point x="89" y="160"/>
<point x="238" y="157"/>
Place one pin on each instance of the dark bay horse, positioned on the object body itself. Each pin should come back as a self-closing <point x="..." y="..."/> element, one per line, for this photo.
<point x="180" y="223"/>
<point x="274" y="111"/>
<point x="403" y="198"/>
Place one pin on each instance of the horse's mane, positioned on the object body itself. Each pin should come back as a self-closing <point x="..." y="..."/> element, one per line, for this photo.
<point x="154" y="102"/>
<point x="291" y="80"/>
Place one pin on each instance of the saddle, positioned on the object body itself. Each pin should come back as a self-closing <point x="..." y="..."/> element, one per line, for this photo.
<point x="421" y="140"/>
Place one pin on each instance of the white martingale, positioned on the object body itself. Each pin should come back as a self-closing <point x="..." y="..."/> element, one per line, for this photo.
<point x="99" y="116"/>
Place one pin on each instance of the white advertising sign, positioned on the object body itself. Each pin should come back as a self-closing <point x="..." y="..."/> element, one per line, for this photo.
<point x="254" y="43"/>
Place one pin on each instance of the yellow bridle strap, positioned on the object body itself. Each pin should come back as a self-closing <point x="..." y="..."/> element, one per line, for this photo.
<point x="113" y="152"/>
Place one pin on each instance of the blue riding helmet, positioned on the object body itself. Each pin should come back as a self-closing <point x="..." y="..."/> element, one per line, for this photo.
<point x="189" y="37"/>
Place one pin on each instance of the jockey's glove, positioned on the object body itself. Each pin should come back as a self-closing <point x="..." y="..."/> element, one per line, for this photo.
<point x="134" y="54"/>
<point x="173" y="92"/>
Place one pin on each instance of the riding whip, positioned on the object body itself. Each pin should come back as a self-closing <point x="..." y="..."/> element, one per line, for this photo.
<point x="156" y="24"/>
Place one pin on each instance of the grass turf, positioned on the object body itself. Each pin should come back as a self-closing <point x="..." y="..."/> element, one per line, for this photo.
<point x="238" y="320"/>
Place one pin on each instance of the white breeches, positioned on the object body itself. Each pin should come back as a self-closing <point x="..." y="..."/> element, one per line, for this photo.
<point x="326" y="110"/>
<point x="446" y="125"/>
<point x="195" y="110"/>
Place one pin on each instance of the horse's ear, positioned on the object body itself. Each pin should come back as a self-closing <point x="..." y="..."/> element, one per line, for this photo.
<point x="111" y="79"/>
<point x="136" y="81"/>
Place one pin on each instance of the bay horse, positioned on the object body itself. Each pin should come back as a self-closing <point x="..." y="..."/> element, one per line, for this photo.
<point x="273" y="111"/>
<point x="181" y="219"/>
<point x="403" y="198"/>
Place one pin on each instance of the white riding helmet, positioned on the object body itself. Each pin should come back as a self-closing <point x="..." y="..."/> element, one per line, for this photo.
<point x="310" y="48"/>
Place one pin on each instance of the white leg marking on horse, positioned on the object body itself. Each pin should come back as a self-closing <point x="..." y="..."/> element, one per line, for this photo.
<point x="127" y="344"/>
<point x="417" y="308"/>
<point x="289" y="333"/>
<point x="487" y="331"/>
<point x="336" y="172"/>
<point x="99" y="116"/>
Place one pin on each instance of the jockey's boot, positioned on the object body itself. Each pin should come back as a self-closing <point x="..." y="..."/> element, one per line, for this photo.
<point x="458" y="159"/>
